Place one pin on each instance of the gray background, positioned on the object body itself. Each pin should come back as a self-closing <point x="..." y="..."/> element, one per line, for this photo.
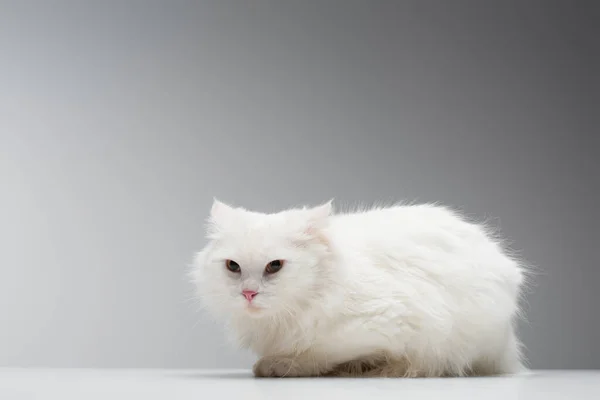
<point x="119" y="121"/>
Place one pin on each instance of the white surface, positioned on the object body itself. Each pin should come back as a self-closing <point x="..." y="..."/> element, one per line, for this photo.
<point x="67" y="384"/>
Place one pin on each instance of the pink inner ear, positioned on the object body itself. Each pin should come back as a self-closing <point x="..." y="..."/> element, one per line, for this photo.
<point x="310" y="230"/>
<point x="315" y="232"/>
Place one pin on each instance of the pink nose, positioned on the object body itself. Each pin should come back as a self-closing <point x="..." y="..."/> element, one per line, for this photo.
<point x="249" y="294"/>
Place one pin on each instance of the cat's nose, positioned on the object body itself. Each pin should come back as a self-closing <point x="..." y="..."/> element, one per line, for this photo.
<point x="249" y="294"/>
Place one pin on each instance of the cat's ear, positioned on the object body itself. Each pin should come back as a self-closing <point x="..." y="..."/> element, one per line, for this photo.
<point x="321" y="212"/>
<point x="219" y="210"/>
<point x="220" y="213"/>
<point x="318" y="217"/>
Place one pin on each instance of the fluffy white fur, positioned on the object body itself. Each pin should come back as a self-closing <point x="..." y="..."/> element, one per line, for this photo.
<point x="411" y="291"/>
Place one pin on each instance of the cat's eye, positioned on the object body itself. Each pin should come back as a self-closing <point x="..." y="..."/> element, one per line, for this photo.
<point x="274" y="266"/>
<point x="232" y="266"/>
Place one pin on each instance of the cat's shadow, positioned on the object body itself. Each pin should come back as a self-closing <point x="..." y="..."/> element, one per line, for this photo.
<point x="247" y="375"/>
<point x="211" y="375"/>
<point x="237" y="375"/>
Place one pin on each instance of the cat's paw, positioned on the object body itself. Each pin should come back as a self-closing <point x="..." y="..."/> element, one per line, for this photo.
<point x="278" y="367"/>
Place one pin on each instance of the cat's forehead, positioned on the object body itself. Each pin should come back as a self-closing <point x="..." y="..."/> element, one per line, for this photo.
<point x="251" y="223"/>
<point x="257" y="232"/>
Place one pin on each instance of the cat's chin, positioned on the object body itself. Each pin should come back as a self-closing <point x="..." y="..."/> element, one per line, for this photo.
<point x="254" y="311"/>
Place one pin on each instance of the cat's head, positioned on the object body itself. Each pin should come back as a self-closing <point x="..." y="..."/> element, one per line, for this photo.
<point x="258" y="265"/>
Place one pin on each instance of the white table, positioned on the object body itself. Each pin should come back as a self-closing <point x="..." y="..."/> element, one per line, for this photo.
<point x="90" y="384"/>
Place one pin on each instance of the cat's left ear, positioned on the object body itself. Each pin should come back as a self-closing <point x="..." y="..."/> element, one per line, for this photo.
<point x="317" y="217"/>
<point x="321" y="212"/>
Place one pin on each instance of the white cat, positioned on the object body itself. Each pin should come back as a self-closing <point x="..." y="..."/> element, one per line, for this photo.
<point x="411" y="291"/>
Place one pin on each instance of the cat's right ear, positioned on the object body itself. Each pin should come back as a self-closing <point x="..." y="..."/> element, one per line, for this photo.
<point x="219" y="210"/>
<point x="219" y="215"/>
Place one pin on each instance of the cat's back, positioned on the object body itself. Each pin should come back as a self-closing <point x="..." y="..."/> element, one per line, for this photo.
<point x="421" y="240"/>
<point x="388" y="225"/>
